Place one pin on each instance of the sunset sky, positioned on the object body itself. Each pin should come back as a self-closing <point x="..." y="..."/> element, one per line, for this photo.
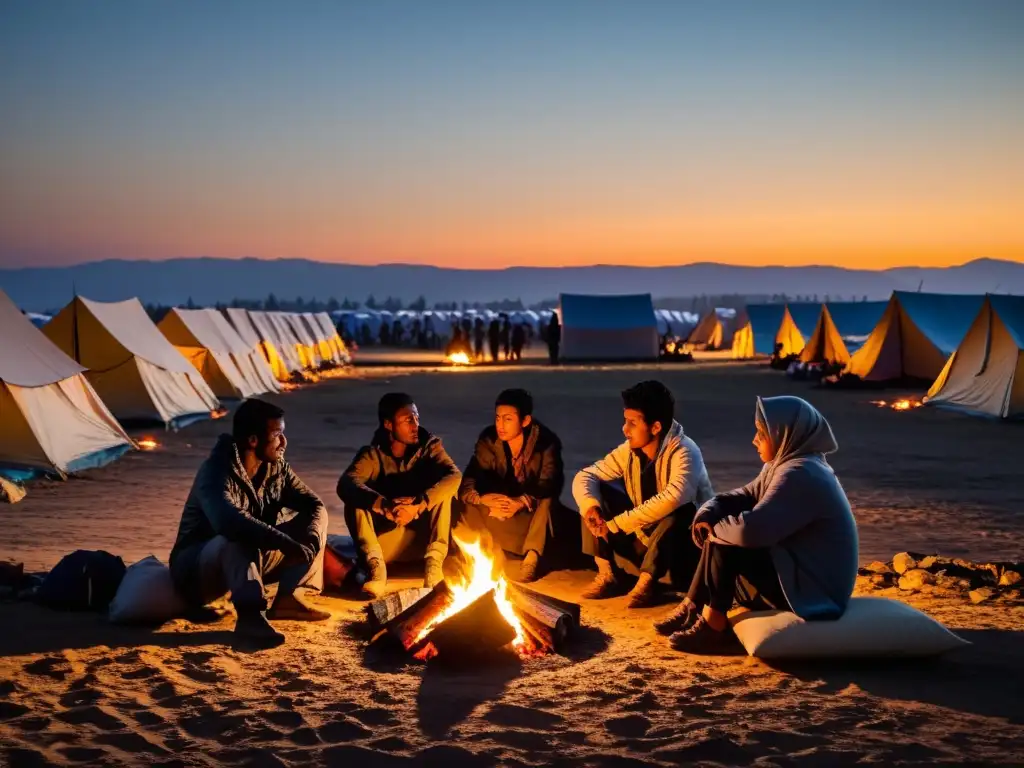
<point x="485" y="134"/>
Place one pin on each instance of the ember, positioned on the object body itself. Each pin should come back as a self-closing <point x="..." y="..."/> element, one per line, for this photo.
<point x="148" y="444"/>
<point x="898" y="405"/>
<point x="458" y="358"/>
<point x="220" y="413"/>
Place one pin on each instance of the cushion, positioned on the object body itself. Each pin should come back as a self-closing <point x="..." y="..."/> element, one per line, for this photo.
<point x="871" y="626"/>
<point x="146" y="595"/>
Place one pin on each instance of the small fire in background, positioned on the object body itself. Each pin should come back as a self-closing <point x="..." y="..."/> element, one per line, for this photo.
<point x="458" y="358"/>
<point x="148" y="444"/>
<point x="287" y="386"/>
<point x="906" y="404"/>
<point x="220" y="413"/>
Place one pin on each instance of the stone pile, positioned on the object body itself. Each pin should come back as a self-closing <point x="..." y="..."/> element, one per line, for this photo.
<point x="944" y="576"/>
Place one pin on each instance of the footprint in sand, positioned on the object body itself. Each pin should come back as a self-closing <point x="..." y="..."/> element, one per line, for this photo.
<point x="91" y="715"/>
<point x="520" y="717"/>
<point x="646" y="702"/>
<point x="445" y="754"/>
<point x="628" y="727"/>
<point x="717" y="749"/>
<point x="82" y="754"/>
<point x="373" y="716"/>
<point x="305" y="737"/>
<point x="286" y="718"/>
<point x="132" y="743"/>
<point x="9" y="710"/>
<point x="55" y="667"/>
<point x="390" y="744"/>
<point x="147" y="718"/>
<point x="341" y="730"/>
<point x="355" y="755"/>
<point x="197" y="667"/>
<point x="141" y="673"/>
<point x="77" y="697"/>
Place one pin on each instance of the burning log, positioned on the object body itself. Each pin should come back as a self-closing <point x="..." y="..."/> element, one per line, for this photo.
<point x="410" y="624"/>
<point x="380" y="612"/>
<point x="477" y="627"/>
<point x="548" y="623"/>
<point x="573" y="609"/>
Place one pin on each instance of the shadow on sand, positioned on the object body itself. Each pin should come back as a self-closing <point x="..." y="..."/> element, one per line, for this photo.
<point x="979" y="679"/>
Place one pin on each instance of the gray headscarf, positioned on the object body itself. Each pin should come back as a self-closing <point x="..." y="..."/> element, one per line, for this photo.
<point x="796" y="429"/>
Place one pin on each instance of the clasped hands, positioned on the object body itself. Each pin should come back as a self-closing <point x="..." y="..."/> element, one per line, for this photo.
<point x="502" y="507"/>
<point x="404" y="509"/>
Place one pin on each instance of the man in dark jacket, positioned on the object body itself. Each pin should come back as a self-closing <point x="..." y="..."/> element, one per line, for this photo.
<point x="398" y="495"/>
<point x="514" y="480"/>
<point x="249" y="519"/>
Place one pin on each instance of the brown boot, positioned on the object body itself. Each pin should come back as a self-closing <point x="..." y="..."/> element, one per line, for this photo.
<point x="376" y="578"/>
<point x="528" y="568"/>
<point x="643" y="593"/>
<point x="291" y="608"/>
<point x="605" y="584"/>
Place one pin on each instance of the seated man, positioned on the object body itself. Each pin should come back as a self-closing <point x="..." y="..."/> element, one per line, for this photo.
<point x="647" y="522"/>
<point x="233" y="536"/>
<point x="398" y="495"/>
<point x="513" y="480"/>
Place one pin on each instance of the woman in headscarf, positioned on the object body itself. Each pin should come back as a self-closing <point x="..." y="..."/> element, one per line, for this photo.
<point x="787" y="540"/>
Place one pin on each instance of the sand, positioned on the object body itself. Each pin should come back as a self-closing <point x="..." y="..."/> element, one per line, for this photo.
<point x="75" y="690"/>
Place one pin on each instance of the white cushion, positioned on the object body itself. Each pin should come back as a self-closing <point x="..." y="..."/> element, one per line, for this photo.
<point x="146" y="595"/>
<point x="871" y="626"/>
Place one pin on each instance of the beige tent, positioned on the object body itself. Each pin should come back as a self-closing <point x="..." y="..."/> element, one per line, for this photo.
<point x="280" y="355"/>
<point x="341" y="355"/>
<point x="325" y="351"/>
<point x="196" y="335"/>
<point x="246" y="351"/>
<point x="841" y="329"/>
<point x="306" y="345"/>
<point x="289" y="341"/>
<point x="134" y="368"/>
<point x="985" y="376"/>
<point x="708" y="334"/>
<point x="51" y="419"/>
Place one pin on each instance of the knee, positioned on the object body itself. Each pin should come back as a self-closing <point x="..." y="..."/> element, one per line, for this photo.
<point x="221" y="548"/>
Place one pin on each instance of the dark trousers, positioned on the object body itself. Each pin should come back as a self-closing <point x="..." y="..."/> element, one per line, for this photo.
<point x="221" y="565"/>
<point x="378" y="537"/>
<point x="669" y="548"/>
<point x="518" y="535"/>
<point x="553" y="352"/>
<point x="727" y="574"/>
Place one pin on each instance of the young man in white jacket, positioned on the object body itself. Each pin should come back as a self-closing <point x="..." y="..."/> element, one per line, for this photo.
<point x="639" y="500"/>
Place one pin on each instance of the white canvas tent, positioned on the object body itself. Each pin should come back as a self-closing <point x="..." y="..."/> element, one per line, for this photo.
<point x="299" y="346"/>
<point x="324" y="350"/>
<point x="985" y="376"/>
<point x="134" y="368"/>
<point x="608" y="327"/>
<point x="247" y="348"/>
<point x="708" y="333"/>
<point x="340" y="353"/>
<point x="196" y="335"/>
<point x="51" y="419"/>
<point x="280" y="353"/>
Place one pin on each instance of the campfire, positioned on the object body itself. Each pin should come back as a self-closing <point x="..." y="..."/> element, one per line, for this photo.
<point x="898" y="405"/>
<point x="220" y="413"/>
<point x="458" y="358"/>
<point x="148" y="444"/>
<point x="479" y="612"/>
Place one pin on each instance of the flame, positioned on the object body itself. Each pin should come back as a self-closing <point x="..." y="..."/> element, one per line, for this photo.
<point x="480" y="581"/>
<point x="287" y="386"/>
<point x="220" y="413"/>
<point x="898" y="405"/>
<point x="458" y="358"/>
<point x="148" y="444"/>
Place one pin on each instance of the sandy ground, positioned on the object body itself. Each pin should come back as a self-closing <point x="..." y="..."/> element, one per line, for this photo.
<point x="76" y="690"/>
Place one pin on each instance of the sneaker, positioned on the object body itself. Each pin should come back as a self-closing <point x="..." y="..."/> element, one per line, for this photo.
<point x="700" y="638"/>
<point x="643" y="593"/>
<point x="434" y="573"/>
<point x="528" y="568"/>
<point x="252" y="627"/>
<point x="291" y="608"/>
<point x="679" y="620"/>
<point x="376" y="578"/>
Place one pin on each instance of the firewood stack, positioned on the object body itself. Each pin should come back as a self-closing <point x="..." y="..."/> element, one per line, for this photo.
<point x="478" y="628"/>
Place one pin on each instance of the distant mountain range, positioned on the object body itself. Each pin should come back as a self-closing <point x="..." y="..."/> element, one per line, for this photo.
<point x="208" y="281"/>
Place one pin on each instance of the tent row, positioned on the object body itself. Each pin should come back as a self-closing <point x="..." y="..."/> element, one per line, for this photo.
<point x="967" y="348"/>
<point x="66" y="388"/>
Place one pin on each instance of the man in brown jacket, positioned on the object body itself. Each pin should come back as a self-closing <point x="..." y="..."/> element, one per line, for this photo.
<point x="513" y="481"/>
<point x="398" y="494"/>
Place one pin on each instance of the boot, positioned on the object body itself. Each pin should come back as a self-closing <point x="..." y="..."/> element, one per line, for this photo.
<point x="681" y="619"/>
<point x="643" y="592"/>
<point x="605" y="584"/>
<point x="376" y="578"/>
<point x="291" y="608"/>
<point x="250" y="626"/>
<point x="528" y="568"/>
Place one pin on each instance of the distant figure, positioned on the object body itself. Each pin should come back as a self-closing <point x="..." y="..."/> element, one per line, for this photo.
<point x="506" y="337"/>
<point x="518" y="341"/>
<point x="397" y="331"/>
<point x="385" y="335"/>
<point x="554" y="338"/>
<point x="479" y="336"/>
<point x="231" y="537"/>
<point x="787" y="540"/>
<point x="494" y="339"/>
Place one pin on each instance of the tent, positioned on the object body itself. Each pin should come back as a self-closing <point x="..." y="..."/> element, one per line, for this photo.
<point x="914" y="337"/>
<point x="708" y="333"/>
<point x="842" y="327"/>
<point x="293" y="332"/>
<point x="330" y="330"/>
<point x="240" y="323"/>
<point x="608" y="327"/>
<point x="196" y="335"/>
<point x="798" y="322"/>
<point x="51" y="419"/>
<point x="756" y="330"/>
<point x="134" y="368"/>
<point x="280" y="354"/>
<point x="985" y="376"/>
<point x="248" y="359"/>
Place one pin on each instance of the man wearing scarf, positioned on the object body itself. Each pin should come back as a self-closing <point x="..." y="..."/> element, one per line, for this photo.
<point x="513" y="481"/>
<point x="398" y="495"/>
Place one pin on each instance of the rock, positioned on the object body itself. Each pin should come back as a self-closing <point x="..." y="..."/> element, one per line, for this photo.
<point x="915" y="578"/>
<point x="1009" y="578"/>
<point x="903" y="562"/>
<point x="878" y="567"/>
<point x="883" y="580"/>
<point x="981" y="594"/>
<point x="932" y="562"/>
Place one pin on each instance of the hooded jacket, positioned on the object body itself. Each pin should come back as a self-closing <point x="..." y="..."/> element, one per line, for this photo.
<point x="224" y="502"/>
<point x="681" y="478"/>
<point x="426" y="472"/>
<point x="489" y="470"/>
